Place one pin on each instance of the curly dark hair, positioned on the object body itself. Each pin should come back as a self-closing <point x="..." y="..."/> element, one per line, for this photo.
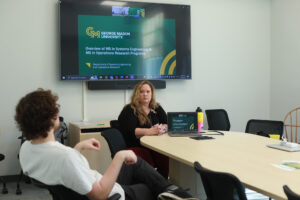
<point x="35" y="113"/>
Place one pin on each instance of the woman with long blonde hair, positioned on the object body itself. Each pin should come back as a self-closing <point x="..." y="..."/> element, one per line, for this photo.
<point x="144" y="116"/>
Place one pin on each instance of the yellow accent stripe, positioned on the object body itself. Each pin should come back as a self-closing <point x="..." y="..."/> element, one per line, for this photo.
<point x="166" y="60"/>
<point x="88" y="64"/>
<point x="172" y="67"/>
<point x="192" y="126"/>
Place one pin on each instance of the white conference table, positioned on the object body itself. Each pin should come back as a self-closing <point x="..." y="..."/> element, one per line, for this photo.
<point x="244" y="155"/>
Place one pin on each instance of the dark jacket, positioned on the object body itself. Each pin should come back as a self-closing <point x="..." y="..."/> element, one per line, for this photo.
<point x="129" y="122"/>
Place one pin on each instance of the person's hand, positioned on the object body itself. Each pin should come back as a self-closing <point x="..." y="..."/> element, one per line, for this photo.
<point x="162" y="128"/>
<point x="128" y="156"/>
<point x="154" y="130"/>
<point x="89" y="144"/>
<point x="165" y="127"/>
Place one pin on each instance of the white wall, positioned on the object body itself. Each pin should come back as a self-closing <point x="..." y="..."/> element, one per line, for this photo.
<point x="230" y="65"/>
<point x="285" y="73"/>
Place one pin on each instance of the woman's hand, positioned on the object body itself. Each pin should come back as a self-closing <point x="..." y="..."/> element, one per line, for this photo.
<point x="154" y="130"/>
<point x="157" y="129"/>
<point x="89" y="144"/>
<point x="162" y="128"/>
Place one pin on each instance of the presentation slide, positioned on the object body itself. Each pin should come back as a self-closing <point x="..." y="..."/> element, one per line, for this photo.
<point x="134" y="45"/>
<point x="183" y="123"/>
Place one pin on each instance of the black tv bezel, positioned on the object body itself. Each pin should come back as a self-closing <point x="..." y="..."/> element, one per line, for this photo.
<point x="64" y="38"/>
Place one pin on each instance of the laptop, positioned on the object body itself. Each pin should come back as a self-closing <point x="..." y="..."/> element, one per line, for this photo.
<point x="181" y="124"/>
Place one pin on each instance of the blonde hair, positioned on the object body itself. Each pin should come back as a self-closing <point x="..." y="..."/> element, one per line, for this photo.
<point x="137" y="107"/>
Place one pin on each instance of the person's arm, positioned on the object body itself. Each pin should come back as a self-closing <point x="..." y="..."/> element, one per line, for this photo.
<point x="139" y="132"/>
<point x="157" y="129"/>
<point x="89" y="144"/>
<point x="101" y="189"/>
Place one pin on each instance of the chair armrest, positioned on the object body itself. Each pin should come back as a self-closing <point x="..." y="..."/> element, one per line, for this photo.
<point x="114" y="197"/>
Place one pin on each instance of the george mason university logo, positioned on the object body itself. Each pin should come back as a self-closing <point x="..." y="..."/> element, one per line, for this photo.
<point x="92" y="33"/>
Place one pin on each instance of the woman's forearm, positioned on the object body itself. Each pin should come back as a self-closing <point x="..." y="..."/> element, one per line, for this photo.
<point x="139" y="132"/>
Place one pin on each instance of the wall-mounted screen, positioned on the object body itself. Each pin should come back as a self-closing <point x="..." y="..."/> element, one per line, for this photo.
<point x="120" y="40"/>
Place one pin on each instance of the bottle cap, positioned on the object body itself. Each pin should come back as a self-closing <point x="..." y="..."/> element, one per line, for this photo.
<point x="198" y="109"/>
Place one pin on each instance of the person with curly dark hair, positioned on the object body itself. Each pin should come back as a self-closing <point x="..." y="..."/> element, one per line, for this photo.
<point x="52" y="163"/>
<point x="33" y="121"/>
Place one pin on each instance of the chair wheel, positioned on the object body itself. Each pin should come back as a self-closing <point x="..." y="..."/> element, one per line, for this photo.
<point x="4" y="191"/>
<point x="18" y="191"/>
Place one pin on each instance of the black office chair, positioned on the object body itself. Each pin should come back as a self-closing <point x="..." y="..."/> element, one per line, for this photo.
<point x="4" y="189"/>
<point x="62" y="133"/>
<point x="265" y="127"/>
<point x="220" y="185"/>
<point x="290" y="194"/>
<point x="60" y="192"/>
<point x="217" y="119"/>
<point x="21" y="175"/>
<point x="115" y="124"/>
<point x="115" y="140"/>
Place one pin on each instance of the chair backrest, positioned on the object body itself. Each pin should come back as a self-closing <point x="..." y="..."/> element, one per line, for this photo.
<point x="60" y="192"/>
<point x="115" y="124"/>
<point x="62" y="133"/>
<point x="220" y="185"/>
<point x="114" y="140"/>
<point x="217" y="119"/>
<point x="290" y="194"/>
<point x="291" y="125"/>
<point x="264" y="127"/>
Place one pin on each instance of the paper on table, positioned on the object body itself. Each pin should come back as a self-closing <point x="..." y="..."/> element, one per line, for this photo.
<point x="283" y="167"/>
<point x="288" y="165"/>
<point x="292" y="163"/>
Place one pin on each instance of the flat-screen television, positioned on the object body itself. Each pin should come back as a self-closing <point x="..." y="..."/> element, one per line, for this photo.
<point x="124" y="40"/>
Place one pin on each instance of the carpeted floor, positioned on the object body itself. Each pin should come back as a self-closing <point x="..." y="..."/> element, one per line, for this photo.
<point x="29" y="192"/>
